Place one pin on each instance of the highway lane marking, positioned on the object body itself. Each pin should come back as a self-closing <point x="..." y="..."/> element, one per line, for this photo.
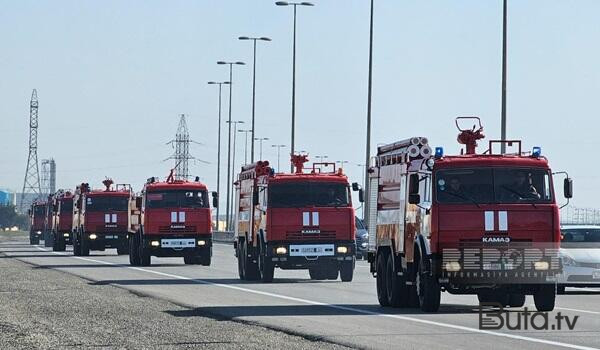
<point x="338" y="307"/>
<point x="578" y="310"/>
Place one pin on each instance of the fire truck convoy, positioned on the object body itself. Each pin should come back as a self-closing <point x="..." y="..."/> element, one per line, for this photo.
<point x="485" y="224"/>
<point x="61" y="206"/>
<point x="303" y="220"/>
<point x="101" y="218"/>
<point x="172" y="219"/>
<point x="37" y="216"/>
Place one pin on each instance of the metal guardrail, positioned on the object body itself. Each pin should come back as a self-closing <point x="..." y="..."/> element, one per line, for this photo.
<point x="223" y="236"/>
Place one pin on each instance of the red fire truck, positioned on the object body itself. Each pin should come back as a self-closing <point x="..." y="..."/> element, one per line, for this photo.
<point x="484" y="224"/>
<point x="37" y="216"/>
<point x="101" y="218"/>
<point x="62" y="220"/>
<point x="172" y="219"/>
<point x="303" y="220"/>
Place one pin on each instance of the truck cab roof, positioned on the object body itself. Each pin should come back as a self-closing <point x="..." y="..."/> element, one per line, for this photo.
<point x="483" y="160"/>
<point x="175" y="185"/>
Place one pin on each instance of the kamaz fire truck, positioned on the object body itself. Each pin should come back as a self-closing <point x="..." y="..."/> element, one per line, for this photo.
<point x="303" y="220"/>
<point x="101" y="218"/>
<point x="37" y="216"/>
<point x="172" y="219"/>
<point x="484" y="224"/>
<point x="62" y="219"/>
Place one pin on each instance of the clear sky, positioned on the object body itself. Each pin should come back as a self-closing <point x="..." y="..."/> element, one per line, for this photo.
<point x="112" y="77"/>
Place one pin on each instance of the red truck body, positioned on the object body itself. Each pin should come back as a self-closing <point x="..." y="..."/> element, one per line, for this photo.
<point x="37" y="217"/>
<point x="484" y="224"/>
<point x="172" y="219"/>
<point x="101" y="218"/>
<point x="303" y="220"/>
<point x="62" y="219"/>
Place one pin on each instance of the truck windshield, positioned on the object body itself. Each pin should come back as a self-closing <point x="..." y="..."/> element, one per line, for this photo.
<point x="493" y="185"/>
<point x="580" y="235"/>
<point x="177" y="199"/>
<point x="113" y="203"/>
<point x="66" y="206"/>
<point x="303" y="194"/>
<point x="39" y="210"/>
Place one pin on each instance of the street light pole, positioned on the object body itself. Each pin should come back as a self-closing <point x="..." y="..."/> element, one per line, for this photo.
<point x="253" y="87"/>
<point x="261" y="139"/>
<point x="295" y="4"/>
<point x="369" y="94"/>
<point x="245" y="145"/>
<point x="235" y="123"/>
<point x="278" y="155"/>
<point x="503" y="127"/>
<point x="218" y="149"/>
<point x="229" y="136"/>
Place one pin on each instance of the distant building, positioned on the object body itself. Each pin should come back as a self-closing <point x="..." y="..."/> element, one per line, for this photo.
<point x="7" y="197"/>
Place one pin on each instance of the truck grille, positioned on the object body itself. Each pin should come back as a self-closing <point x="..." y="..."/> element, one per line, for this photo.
<point x="169" y="229"/>
<point x="299" y="236"/>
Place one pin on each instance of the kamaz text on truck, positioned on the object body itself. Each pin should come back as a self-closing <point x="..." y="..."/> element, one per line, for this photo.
<point x="484" y="224"/>
<point x="303" y="220"/>
<point x="101" y="218"/>
<point x="173" y="219"/>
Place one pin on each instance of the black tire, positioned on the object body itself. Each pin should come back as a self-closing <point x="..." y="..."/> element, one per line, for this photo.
<point x="560" y="289"/>
<point x="76" y="244"/>
<point x="332" y="273"/>
<point x="84" y="246"/>
<point x="205" y="259"/>
<point x="58" y="243"/>
<point x="33" y="238"/>
<point x="134" y="255"/>
<point x="240" y="259"/>
<point x="428" y="289"/>
<point x="250" y="268"/>
<point x="396" y="290"/>
<point x="316" y="273"/>
<point x="516" y="299"/>
<point x="48" y="239"/>
<point x="347" y="271"/>
<point x="267" y="268"/>
<point x="545" y="297"/>
<point x="145" y="258"/>
<point x="381" y="279"/>
<point x="189" y="260"/>
<point x="123" y="250"/>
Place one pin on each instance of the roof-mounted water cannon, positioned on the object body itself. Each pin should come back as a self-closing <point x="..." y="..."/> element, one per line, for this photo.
<point x="107" y="183"/>
<point x="469" y="137"/>
<point x="298" y="161"/>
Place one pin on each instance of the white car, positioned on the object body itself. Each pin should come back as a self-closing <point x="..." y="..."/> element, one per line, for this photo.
<point x="580" y="255"/>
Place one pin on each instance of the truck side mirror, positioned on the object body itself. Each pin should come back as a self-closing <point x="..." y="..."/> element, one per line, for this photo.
<point x="355" y="186"/>
<point x="138" y="202"/>
<point x="28" y="212"/>
<point x="568" y="188"/>
<point x="255" y="197"/>
<point x="361" y="195"/>
<point x="413" y="189"/>
<point x="215" y="199"/>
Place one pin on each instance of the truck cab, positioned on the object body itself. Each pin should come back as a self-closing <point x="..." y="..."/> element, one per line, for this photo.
<point x="37" y="216"/>
<point x="62" y="219"/>
<point x="101" y="218"/>
<point x="484" y="224"/>
<point x="303" y="220"/>
<point x="173" y="220"/>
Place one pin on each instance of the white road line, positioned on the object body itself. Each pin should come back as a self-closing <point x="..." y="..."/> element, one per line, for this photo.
<point x="578" y="310"/>
<point x="339" y="307"/>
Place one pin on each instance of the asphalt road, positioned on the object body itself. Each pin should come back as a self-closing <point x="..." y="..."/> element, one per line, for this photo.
<point x="346" y="314"/>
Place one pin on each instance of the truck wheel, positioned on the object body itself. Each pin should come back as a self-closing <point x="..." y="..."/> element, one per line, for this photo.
<point x="48" y="240"/>
<point x="240" y="260"/>
<point x="250" y="268"/>
<point x="516" y="299"/>
<point x="428" y="289"/>
<point x="347" y="271"/>
<point x="267" y="268"/>
<point x="84" y="246"/>
<point x="316" y="273"/>
<point x="381" y="280"/>
<point x="76" y="244"/>
<point x="33" y="238"/>
<point x="332" y="273"/>
<point x="145" y="258"/>
<point x="122" y="250"/>
<point x="395" y="285"/>
<point x="545" y="297"/>
<point x="134" y="256"/>
<point x="205" y="259"/>
<point x="189" y="260"/>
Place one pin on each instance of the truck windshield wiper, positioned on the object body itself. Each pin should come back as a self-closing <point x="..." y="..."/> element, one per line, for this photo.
<point x="520" y="195"/>
<point x="464" y="197"/>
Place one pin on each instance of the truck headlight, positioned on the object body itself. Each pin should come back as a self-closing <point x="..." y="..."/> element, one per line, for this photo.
<point x="342" y="250"/>
<point x="281" y="251"/>
<point x="93" y="236"/>
<point x="155" y="243"/>
<point x="541" y="265"/>
<point x="201" y="243"/>
<point x="65" y="235"/>
<point x="38" y="232"/>
<point x="452" y="266"/>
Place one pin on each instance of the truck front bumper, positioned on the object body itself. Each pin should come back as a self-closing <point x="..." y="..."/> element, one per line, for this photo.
<point x="303" y="255"/>
<point x="178" y="246"/>
<point x="103" y="240"/>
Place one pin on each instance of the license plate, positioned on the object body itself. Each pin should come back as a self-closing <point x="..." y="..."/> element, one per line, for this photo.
<point x="497" y="266"/>
<point x="311" y="250"/>
<point x="178" y="243"/>
<point x="110" y="237"/>
<point x="596" y="275"/>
